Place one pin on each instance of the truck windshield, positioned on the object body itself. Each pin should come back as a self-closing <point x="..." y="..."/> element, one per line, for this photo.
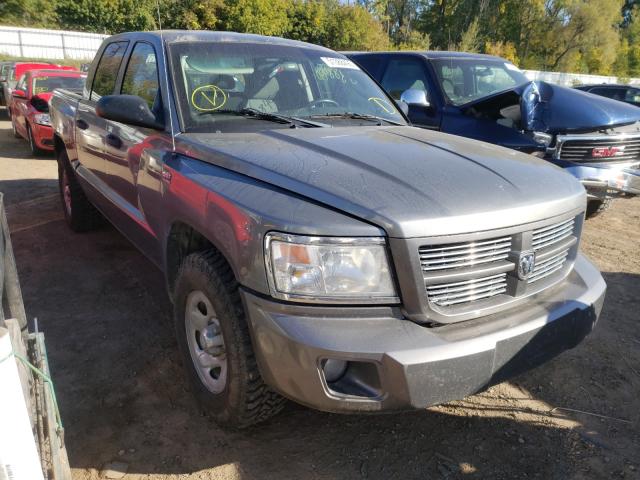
<point x="49" y="84"/>
<point x="464" y="80"/>
<point x="217" y="84"/>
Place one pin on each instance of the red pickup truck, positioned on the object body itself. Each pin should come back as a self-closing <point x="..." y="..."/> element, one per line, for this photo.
<point x="12" y="73"/>
<point x="29" y="110"/>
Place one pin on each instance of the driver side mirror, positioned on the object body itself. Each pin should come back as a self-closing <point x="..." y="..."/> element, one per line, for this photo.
<point x="128" y="109"/>
<point x="19" y="94"/>
<point x="415" y="97"/>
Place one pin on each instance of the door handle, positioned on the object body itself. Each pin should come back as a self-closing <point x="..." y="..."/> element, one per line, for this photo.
<point x="113" y="140"/>
<point x="154" y="164"/>
<point x="81" y="124"/>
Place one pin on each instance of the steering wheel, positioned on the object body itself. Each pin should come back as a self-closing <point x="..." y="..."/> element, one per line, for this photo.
<point x="320" y="101"/>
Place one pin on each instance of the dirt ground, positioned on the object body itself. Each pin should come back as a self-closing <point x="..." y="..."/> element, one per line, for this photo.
<point x="124" y="397"/>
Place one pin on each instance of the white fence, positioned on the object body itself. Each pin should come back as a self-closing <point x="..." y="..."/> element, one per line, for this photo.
<point x="573" y="79"/>
<point x="53" y="44"/>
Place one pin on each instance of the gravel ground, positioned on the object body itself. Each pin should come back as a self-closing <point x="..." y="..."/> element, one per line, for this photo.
<point x="124" y="397"/>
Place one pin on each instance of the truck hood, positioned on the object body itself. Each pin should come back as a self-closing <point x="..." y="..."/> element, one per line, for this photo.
<point x="554" y="109"/>
<point x="550" y="108"/>
<point x="410" y="182"/>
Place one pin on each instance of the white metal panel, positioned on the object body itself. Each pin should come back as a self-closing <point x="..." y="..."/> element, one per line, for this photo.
<point x="574" y="79"/>
<point x="50" y="44"/>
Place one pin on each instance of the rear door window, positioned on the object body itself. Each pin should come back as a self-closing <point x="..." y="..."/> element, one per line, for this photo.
<point x="403" y="74"/>
<point x="141" y="76"/>
<point x="104" y="80"/>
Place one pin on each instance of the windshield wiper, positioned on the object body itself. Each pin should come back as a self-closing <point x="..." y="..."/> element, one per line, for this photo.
<point x="278" y="117"/>
<point x="272" y="117"/>
<point x="359" y="116"/>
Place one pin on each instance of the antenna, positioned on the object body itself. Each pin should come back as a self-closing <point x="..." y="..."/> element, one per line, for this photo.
<point x="166" y="77"/>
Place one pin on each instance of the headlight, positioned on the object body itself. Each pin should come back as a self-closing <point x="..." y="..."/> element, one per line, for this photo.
<point x="329" y="269"/>
<point x="42" y="119"/>
<point x="542" y="138"/>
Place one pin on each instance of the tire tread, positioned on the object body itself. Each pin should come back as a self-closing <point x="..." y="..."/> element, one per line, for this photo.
<point x="84" y="216"/>
<point x="597" y="207"/>
<point x="258" y="402"/>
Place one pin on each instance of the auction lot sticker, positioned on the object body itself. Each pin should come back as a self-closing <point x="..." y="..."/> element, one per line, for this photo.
<point x="334" y="62"/>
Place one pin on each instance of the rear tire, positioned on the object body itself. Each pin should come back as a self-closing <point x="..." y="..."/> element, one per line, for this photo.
<point x="79" y="213"/>
<point x="238" y="397"/>
<point x="596" y="207"/>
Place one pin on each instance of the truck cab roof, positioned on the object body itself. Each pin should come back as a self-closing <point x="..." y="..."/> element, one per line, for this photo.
<point x="176" y="36"/>
<point x="432" y="54"/>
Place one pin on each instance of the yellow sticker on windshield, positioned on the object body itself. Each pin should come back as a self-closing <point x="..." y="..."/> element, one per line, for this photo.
<point x="208" y="98"/>
<point x="383" y="104"/>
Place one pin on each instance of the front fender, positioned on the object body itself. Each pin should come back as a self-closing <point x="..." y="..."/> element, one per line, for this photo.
<point x="234" y="212"/>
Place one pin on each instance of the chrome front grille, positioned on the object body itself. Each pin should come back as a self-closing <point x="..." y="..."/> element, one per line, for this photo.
<point x="549" y="266"/>
<point x="547" y="236"/>
<point x="446" y="294"/>
<point x="464" y="254"/>
<point x="463" y="274"/>
<point x="611" y="150"/>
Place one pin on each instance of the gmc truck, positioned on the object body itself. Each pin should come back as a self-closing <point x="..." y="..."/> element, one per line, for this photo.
<point x="315" y="246"/>
<point x="488" y="98"/>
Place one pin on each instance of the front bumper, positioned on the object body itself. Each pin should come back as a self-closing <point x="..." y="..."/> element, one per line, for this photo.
<point x="42" y="136"/>
<point x="396" y="364"/>
<point x="606" y="181"/>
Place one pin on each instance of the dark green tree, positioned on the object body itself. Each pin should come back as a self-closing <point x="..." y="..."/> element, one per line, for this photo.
<point x="28" y="13"/>
<point x="105" y="16"/>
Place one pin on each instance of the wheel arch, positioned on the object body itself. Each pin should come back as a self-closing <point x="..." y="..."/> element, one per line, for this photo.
<point x="58" y="145"/>
<point x="184" y="239"/>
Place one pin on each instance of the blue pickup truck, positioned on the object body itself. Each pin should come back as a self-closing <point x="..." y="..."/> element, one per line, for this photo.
<point x="488" y="98"/>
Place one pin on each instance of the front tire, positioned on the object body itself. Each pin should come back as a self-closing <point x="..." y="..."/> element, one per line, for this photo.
<point x="35" y="150"/>
<point x="597" y="207"/>
<point x="79" y="213"/>
<point x="214" y="340"/>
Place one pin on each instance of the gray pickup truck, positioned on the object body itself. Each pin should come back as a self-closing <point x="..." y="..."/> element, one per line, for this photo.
<point x="314" y="245"/>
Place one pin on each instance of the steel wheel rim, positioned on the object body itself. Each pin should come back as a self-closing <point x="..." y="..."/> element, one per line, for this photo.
<point x="66" y="192"/>
<point x="205" y="341"/>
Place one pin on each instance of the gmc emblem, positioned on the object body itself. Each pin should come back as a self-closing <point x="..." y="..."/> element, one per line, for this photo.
<point x="606" y="152"/>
